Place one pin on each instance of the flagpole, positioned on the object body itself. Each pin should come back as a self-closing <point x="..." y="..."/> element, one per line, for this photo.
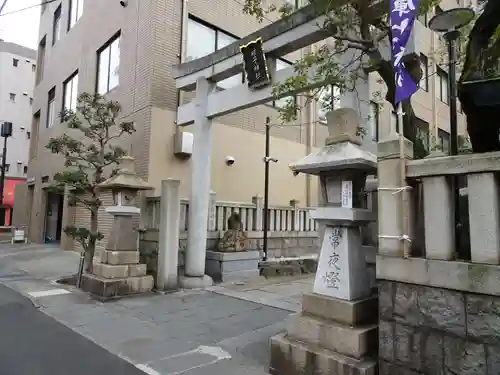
<point x="404" y="193"/>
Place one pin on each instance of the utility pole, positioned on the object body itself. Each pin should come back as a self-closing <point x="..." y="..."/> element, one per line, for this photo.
<point x="267" y="159"/>
<point x="6" y="132"/>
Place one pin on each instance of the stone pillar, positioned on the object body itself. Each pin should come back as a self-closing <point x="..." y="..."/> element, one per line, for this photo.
<point x="336" y="331"/>
<point x="390" y="216"/>
<point x="259" y="213"/>
<point x="168" y="239"/>
<point x="294" y="203"/>
<point x="200" y="192"/>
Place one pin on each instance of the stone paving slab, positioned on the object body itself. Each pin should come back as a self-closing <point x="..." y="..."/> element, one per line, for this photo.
<point x="279" y="292"/>
<point x="160" y="334"/>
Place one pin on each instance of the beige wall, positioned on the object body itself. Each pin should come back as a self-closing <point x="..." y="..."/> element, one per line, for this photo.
<point x="242" y="180"/>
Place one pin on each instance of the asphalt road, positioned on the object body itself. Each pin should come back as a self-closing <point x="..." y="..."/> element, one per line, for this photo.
<point x="32" y="343"/>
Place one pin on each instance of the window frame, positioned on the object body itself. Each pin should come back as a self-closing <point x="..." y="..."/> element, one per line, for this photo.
<point x="15" y="62"/>
<point x="443" y="76"/>
<point x="50" y="121"/>
<point x="57" y="25"/>
<point x="70" y="80"/>
<point x="76" y="11"/>
<point x="108" y="46"/>
<point x="442" y="134"/>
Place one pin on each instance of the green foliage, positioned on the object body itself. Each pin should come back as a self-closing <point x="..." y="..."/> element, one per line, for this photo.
<point x="90" y="155"/>
<point x="359" y="32"/>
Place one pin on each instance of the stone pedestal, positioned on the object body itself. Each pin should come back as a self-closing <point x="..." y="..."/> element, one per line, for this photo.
<point x="336" y="331"/>
<point x="329" y="336"/>
<point x="241" y="265"/>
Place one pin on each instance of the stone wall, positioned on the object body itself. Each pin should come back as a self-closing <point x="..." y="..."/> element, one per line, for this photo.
<point x="280" y="244"/>
<point x="433" y="331"/>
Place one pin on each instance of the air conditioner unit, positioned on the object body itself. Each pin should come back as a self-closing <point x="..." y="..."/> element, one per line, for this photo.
<point x="183" y="144"/>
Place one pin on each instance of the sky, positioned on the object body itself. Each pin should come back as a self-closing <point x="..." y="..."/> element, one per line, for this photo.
<point x="20" y="27"/>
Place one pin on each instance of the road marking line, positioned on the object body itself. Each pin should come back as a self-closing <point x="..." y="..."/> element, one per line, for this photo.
<point x="47" y="293"/>
<point x="214" y="351"/>
<point x="148" y="370"/>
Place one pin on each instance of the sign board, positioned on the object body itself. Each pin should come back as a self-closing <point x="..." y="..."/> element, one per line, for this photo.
<point x="347" y="194"/>
<point x="255" y="64"/>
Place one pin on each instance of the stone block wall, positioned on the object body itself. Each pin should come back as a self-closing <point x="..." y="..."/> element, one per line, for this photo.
<point x="433" y="331"/>
<point x="280" y="244"/>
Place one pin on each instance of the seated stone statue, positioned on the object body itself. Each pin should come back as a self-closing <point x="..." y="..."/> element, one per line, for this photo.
<point x="235" y="239"/>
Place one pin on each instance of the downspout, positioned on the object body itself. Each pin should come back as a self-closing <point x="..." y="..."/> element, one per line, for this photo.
<point x="433" y="74"/>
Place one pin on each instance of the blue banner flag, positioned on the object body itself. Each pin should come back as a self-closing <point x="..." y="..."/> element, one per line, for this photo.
<point x="402" y="18"/>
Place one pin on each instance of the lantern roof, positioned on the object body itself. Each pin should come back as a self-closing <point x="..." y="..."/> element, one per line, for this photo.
<point x="125" y="178"/>
<point x="342" y="150"/>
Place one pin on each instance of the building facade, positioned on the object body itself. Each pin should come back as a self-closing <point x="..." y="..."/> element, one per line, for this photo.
<point x="17" y="77"/>
<point x="125" y="49"/>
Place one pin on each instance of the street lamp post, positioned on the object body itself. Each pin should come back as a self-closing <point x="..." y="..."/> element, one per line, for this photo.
<point x="267" y="159"/>
<point x="5" y="132"/>
<point x="449" y="23"/>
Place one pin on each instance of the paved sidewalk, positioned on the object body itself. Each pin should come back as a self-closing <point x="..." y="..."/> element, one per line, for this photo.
<point x="217" y="331"/>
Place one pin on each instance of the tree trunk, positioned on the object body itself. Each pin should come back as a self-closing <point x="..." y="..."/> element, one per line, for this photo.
<point x="482" y="122"/>
<point x="89" y="254"/>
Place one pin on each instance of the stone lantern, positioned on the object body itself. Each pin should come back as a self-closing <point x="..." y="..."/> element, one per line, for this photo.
<point x="338" y="323"/>
<point x="118" y="272"/>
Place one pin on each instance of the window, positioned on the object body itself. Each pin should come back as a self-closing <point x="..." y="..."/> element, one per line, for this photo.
<point x="328" y="100"/>
<point x="75" y="12"/>
<point x="12" y="97"/>
<point x="108" y="63"/>
<point x="25" y="169"/>
<point x="28" y="135"/>
<point x="424" y="65"/>
<point x="202" y="40"/>
<point x="70" y="92"/>
<point x="31" y="101"/>
<point x="51" y="107"/>
<point x="15" y="62"/>
<point x="280" y="103"/>
<point x="33" y="68"/>
<point x="45" y="179"/>
<point x="442" y="85"/>
<point x="7" y="167"/>
<point x="373" y="121"/>
<point x="422" y="133"/>
<point x="41" y="59"/>
<point x="56" y="26"/>
<point x="444" y="140"/>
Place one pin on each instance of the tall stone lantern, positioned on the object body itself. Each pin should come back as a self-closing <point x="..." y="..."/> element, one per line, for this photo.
<point x="338" y="323"/>
<point x="118" y="271"/>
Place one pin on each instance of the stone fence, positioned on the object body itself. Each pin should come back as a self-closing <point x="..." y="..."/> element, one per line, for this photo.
<point x="438" y="312"/>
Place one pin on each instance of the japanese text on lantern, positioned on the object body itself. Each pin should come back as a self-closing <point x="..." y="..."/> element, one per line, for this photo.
<point x="331" y="278"/>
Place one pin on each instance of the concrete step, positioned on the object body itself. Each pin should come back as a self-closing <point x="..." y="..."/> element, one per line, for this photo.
<point x="350" y="341"/>
<point x="291" y="357"/>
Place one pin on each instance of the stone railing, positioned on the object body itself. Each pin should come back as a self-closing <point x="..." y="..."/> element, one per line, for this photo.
<point x="281" y="218"/>
<point x="435" y="303"/>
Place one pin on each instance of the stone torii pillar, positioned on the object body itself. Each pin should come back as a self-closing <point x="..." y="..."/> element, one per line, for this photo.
<point x="336" y="332"/>
<point x="195" y="256"/>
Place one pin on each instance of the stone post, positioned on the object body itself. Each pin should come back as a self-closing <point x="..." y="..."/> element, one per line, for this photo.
<point x="390" y="203"/>
<point x="200" y="192"/>
<point x="294" y="203"/>
<point x="258" y="218"/>
<point x="168" y="239"/>
<point x="212" y="212"/>
<point x="336" y="332"/>
<point x="118" y="272"/>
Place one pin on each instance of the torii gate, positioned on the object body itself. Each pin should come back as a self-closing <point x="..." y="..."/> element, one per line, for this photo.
<point x="300" y="29"/>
